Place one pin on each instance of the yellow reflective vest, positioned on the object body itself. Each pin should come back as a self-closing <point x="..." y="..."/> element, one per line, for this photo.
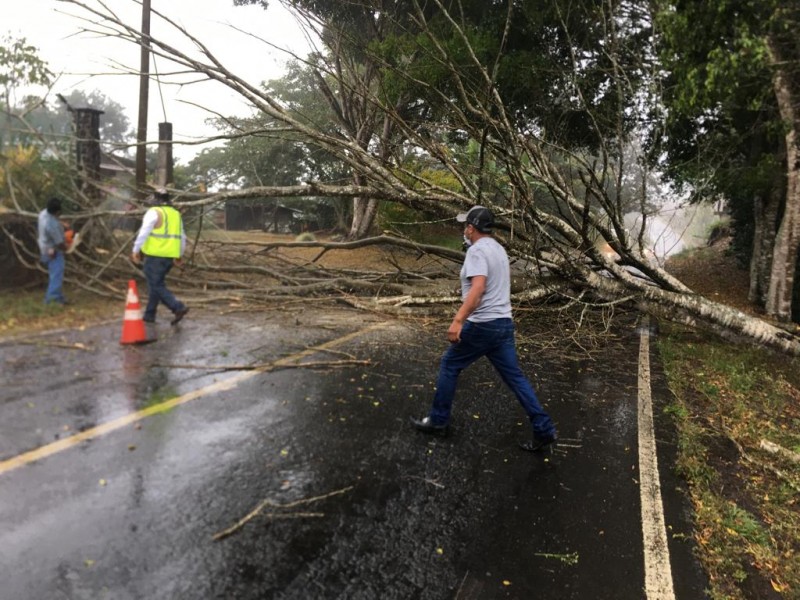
<point x="165" y="240"/>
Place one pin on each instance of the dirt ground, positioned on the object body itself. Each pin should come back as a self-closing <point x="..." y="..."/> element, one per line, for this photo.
<point x="377" y="258"/>
<point x="712" y="272"/>
<point x="21" y="308"/>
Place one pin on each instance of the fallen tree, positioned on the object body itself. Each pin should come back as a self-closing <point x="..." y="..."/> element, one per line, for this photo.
<point x="556" y="202"/>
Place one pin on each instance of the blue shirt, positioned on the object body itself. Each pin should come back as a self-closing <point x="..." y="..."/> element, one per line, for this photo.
<point x="51" y="234"/>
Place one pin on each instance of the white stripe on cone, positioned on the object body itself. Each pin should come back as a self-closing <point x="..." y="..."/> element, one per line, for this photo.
<point x="132" y="298"/>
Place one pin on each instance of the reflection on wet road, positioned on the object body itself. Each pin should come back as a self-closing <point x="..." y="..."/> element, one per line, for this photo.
<point x="325" y="490"/>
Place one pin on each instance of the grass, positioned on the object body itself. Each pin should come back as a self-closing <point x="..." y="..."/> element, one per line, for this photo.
<point x="728" y="399"/>
<point x="24" y="311"/>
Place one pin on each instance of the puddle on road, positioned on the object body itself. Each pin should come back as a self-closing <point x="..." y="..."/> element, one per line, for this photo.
<point x="52" y="391"/>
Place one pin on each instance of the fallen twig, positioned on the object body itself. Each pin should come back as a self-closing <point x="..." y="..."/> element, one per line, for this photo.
<point x="269" y="503"/>
<point x="461" y="586"/>
<point x="758" y="463"/>
<point x="426" y="480"/>
<point x="330" y="351"/>
<point x="269" y="367"/>
<point x="779" y="450"/>
<point x="67" y="345"/>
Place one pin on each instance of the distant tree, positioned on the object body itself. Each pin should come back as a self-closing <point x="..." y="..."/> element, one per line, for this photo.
<point x="273" y="158"/>
<point x="34" y="120"/>
<point x="20" y="66"/>
<point x="115" y="127"/>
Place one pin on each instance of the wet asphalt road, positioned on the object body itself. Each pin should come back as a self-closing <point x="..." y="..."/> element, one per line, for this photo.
<point x="354" y="503"/>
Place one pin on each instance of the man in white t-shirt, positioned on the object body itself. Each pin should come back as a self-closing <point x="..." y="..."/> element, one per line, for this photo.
<point x="483" y="327"/>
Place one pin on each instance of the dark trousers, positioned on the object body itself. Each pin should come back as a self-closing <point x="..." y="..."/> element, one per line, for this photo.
<point x="494" y="340"/>
<point x="155" y="272"/>
<point x="55" y="279"/>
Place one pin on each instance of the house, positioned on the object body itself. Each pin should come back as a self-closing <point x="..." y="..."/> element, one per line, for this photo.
<point x="269" y="216"/>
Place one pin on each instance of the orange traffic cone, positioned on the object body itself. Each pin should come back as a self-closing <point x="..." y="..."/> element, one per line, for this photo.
<point x="133" y="331"/>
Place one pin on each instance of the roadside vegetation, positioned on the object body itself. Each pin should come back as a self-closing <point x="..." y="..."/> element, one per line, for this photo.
<point x="24" y="312"/>
<point x="737" y="412"/>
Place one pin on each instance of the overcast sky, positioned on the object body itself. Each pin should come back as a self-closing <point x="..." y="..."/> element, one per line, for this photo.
<point x="90" y="62"/>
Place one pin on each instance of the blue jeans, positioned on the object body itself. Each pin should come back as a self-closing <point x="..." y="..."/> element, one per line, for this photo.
<point x="495" y="340"/>
<point x="55" y="280"/>
<point x="155" y="272"/>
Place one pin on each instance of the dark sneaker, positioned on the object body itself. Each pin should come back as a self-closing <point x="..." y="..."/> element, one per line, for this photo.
<point x="425" y="426"/>
<point x="149" y="319"/>
<point x="539" y="444"/>
<point x="179" y="314"/>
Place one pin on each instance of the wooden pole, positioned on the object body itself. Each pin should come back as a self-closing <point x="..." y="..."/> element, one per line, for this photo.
<point x="144" y="83"/>
<point x="164" y="167"/>
<point x="87" y="151"/>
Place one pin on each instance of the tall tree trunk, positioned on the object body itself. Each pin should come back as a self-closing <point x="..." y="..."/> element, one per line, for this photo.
<point x="364" y="212"/>
<point x="359" y="208"/>
<point x="756" y="256"/>
<point x="766" y="222"/>
<point x="366" y="209"/>
<point x="784" y="259"/>
<point x="361" y="219"/>
<point x="370" y="212"/>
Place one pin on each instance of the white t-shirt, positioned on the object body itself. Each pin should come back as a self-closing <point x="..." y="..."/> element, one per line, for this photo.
<point x="487" y="257"/>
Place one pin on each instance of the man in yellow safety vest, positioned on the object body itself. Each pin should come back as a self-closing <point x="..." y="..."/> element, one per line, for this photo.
<point x="162" y="241"/>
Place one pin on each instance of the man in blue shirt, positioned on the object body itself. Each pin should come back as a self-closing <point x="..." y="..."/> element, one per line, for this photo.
<point x="52" y="247"/>
<point x="483" y="327"/>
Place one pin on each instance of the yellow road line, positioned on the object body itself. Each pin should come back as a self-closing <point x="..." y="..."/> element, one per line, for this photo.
<point x="220" y="386"/>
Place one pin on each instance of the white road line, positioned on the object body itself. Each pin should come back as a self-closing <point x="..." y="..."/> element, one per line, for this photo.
<point x="657" y="572"/>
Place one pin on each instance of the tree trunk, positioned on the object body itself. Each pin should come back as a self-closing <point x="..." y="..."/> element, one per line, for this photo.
<point x="370" y="212"/>
<point x="698" y="311"/>
<point x="766" y="221"/>
<point x="342" y="216"/>
<point x="755" y="293"/>
<point x="359" y="209"/>
<point x="361" y="213"/>
<point x="784" y="259"/>
<point x="365" y="210"/>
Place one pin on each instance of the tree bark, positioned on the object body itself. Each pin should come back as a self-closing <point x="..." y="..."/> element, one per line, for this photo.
<point x="784" y="259"/>
<point x="754" y="295"/>
<point x="765" y="214"/>
<point x="364" y="211"/>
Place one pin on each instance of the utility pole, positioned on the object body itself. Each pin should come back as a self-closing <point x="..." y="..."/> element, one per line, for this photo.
<point x="164" y="165"/>
<point x="144" y="85"/>
<point x="87" y="151"/>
